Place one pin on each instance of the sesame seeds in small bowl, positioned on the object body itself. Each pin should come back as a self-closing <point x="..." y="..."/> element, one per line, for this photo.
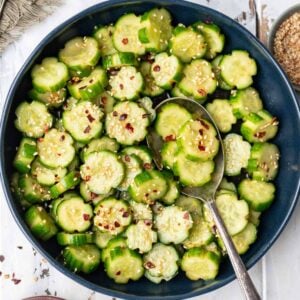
<point x="284" y="43"/>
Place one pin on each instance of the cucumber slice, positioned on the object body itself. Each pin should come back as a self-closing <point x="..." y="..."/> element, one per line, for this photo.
<point x="254" y="217"/>
<point x="101" y="239"/>
<point x="150" y="88"/>
<point x="173" y="192"/>
<point x="166" y="70"/>
<point x="263" y="162"/>
<point x="46" y="176"/>
<point x="123" y="265"/>
<point x="217" y="71"/>
<point x="80" y="54"/>
<point x="125" y="36"/>
<point x="166" y="125"/>
<point x="102" y="171"/>
<point x="118" y="60"/>
<point x="192" y="173"/>
<point x="74" y="215"/>
<point x="258" y="194"/>
<point x="238" y="68"/>
<point x="74" y="164"/>
<point x="214" y="38"/>
<point x="198" y="263"/>
<point x="141" y="211"/>
<point x="96" y="145"/>
<point x="104" y="37"/>
<point x="169" y="153"/>
<point x="147" y="104"/>
<point x="234" y="212"/>
<point x="161" y="263"/>
<point x="199" y="80"/>
<point x="148" y="186"/>
<point x="50" y="99"/>
<point x="197" y="139"/>
<point x="142" y="152"/>
<point x="88" y="121"/>
<point x="173" y="224"/>
<point x="175" y="92"/>
<point x="16" y="191"/>
<point x="140" y="236"/>
<point x="259" y="127"/>
<point x="84" y="258"/>
<point x="87" y="88"/>
<point x="116" y="241"/>
<point x="50" y="76"/>
<point x="105" y="101"/>
<point x="127" y="123"/>
<point x="112" y="215"/>
<point x="222" y="114"/>
<point x="56" y="149"/>
<point x="156" y="29"/>
<point x="245" y="238"/>
<point x="237" y="153"/>
<point x="76" y="239"/>
<point x="126" y="84"/>
<point x="227" y="186"/>
<point x="25" y="155"/>
<point x="187" y="44"/>
<point x="33" y="119"/>
<point x="40" y="223"/>
<point x="192" y="205"/>
<point x="245" y="101"/>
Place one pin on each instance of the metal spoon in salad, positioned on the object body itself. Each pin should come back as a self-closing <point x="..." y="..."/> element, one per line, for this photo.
<point x="206" y="193"/>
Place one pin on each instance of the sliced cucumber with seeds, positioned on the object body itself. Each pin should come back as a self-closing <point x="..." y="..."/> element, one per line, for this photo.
<point x="166" y="70"/>
<point x="198" y="80"/>
<point x="25" y="155"/>
<point x="88" y="123"/>
<point x="96" y="145"/>
<point x="169" y="153"/>
<point x="127" y="123"/>
<point x="104" y="37"/>
<point x="214" y="38"/>
<point x="156" y="29"/>
<point x="193" y="173"/>
<point x="259" y="127"/>
<point x="88" y="88"/>
<point x="126" y="84"/>
<point x="217" y="71"/>
<point x="148" y="186"/>
<point x="50" y="76"/>
<point x="221" y="111"/>
<point x="147" y="104"/>
<point x="173" y="191"/>
<point x="33" y="119"/>
<point x="161" y="263"/>
<point x="116" y="241"/>
<point x="101" y="239"/>
<point x="112" y="215"/>
<point x="258" y="194"/>
<point x="150" y="87"/>
<point x="56" y="149"/>
<point x="76" y="239"/>
<point x="187" y="44"/>
<point x="173" y="224"/>
<point x="166" y="125"/>
<point x="84" y="258"/>
<point x="118" y="60"/>
<point x="40" y="223"/>
<point x="125" y="36"/>
<point x="263" y="162"/>
<point x="141" y="211"/>
<point x="47" y="176"/>
<point x="80" y="54"/>
<point x="105" y="101"/>
<point x="245" y="238"/>
<point x="142" y="152"/>
<point x="197" y="139"/>
<point x="102" y="171"/>
<point x="238" y="68"/>
<point x="245" y="101"/>
<point x="237" y="152"/>
<point x="50" y="99"/>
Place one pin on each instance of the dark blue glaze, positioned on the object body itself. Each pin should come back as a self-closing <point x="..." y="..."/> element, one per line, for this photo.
<point x="278" y="97"/>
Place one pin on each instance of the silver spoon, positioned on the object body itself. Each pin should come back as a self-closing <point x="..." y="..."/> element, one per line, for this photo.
<point x="207" y="192"/>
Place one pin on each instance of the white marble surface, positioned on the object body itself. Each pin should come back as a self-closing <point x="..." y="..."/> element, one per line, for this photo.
<point x="276" y="275"/>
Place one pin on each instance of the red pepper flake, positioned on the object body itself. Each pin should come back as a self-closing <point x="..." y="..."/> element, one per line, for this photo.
<point x="154" y="191"/>
<point x="59" y="154"/>
<point x="62" y="138"/>
<point x="131" y="77"/>
<point x="75" y="79"/>
<point x="40" y="140"/>
<point x="149" y="265"/>
<point x="147" y="166"/>
<point x="186" y="216"/>
<point x="118" y="273"/>
<point x="110" y="33"/>
<point x="0" y="273"/>
<point x="170" y="137"/>
<point x="93" y="195"/>
<point x="129" y="127"/>
<point x="127" y="158"/>
<point x="87" y="178"/>
<point x="123" y="117"/>
<point x="87" y="129"/>
<point x="204" y="124"/>
<point x="83" y="87"/>
<point x="201" y="147"/>
<point x="46" y="129"/>
<point x="201" y="131"/>
<point x="125" y="41"/>
<point x="106" y="226"/>
<point x="90" y="118"/>
<point x="2" y="258"/>
<point x="156" y="68"/>
<point x="125" y="214"/>
<point x="121" y="86"/>
<point x="202" y="92"/>
<point x="91" y="80"/>
<point x="115" y="114"/>
<point x="16" y="281"/>
<point x="148" y="222"/>
<point x="86" y="217"/>
<point x="117" y="224"/>
<point x="146" y="195"/>
<point x="260" y="134"/>
<point x="104" y="100"/>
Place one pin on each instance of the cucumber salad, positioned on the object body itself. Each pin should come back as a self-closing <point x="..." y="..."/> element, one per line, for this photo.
<point x="86" y="178"/>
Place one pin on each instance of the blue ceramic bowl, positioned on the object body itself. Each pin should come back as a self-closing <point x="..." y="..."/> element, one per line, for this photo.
<point x="278" y="97"/>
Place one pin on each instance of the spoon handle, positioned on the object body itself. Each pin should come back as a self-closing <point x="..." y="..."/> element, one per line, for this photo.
<point x="241" y="273"/>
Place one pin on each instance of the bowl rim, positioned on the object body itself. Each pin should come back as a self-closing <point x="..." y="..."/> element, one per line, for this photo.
<point x="5" y="182"/>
